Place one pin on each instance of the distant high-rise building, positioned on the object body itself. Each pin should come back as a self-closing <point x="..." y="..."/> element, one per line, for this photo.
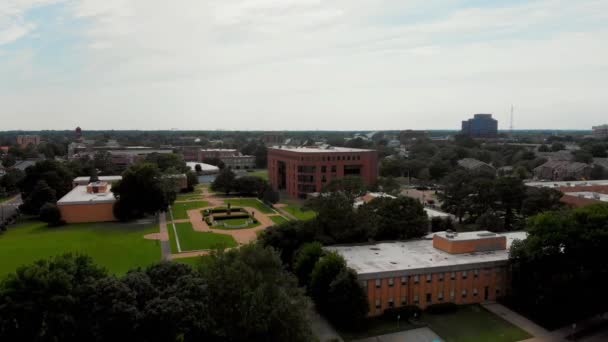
<point x="480" y="126"/>
<point x="600" y="132"/>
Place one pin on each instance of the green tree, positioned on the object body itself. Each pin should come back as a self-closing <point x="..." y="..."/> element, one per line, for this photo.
<point x="41" y="194"/>
<point x="192" y="180"/>
<point x="347" y="300"/>
<point x="50" y="214"/>
<point x="388" y="185"/>
<point x="559" y="274"/>
<point x="166" y="161"/>
<point x="53" y="173"/>
<point x="582" y="156"/>
<point x="224" y="182"/>
<point x="254" y="298"/>
<point x="40" y="302"/>
<point x="538" y="200"/>
<point x="557" y="146"/>
<point x="142" y="191"/>
<point x="390" y="219"/>
<point x="305" y="261"/>
<point x="351" y="186"/>
<point x="250" y="185"/>
<point x="324" y="272"/>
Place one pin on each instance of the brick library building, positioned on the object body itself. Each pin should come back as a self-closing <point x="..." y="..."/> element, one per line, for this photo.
<point x="460" y="268"/>
<point x="299" y="171"/>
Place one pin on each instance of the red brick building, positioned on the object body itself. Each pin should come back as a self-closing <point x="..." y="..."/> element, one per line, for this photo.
<point x="303" y="170"/>
<point x="460" y="268"/>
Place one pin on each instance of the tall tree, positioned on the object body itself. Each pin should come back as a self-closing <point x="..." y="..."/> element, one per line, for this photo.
<point x="142" y="191"/>
<point x="224" y="182"/>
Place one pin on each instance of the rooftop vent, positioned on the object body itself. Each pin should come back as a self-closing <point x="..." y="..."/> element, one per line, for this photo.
<point x="486" y="234"/>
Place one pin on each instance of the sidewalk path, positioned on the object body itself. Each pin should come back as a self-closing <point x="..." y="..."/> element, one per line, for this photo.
<point x="165" y="246"/>
<point x="280" y="206"/>
<point x="242" y="236"/>
<point x="516" y="319"/>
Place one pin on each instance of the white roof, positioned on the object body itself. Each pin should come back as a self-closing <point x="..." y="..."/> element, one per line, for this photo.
<point x="329" y="149"/>
<point x="204" y="167"/>
<point x="415" y="256"/>
<point x="589" y="195"/>
<point x="79" y="195"/>
<point x="84" y="180"/>
<point x="564" y="184"/>
<point x="436" y="213"/>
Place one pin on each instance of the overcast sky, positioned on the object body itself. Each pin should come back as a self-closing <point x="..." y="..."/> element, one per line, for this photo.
<point x="301" y="64"/>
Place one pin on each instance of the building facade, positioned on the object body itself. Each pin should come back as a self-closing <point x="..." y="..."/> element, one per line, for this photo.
<point x="300" y="171"/>
<point x="24" y="140"/>
<point x="231" y="158"/>
<point x="460" y="268"/>
<point x="480" y="126"/>
<point x="600" y="132"/>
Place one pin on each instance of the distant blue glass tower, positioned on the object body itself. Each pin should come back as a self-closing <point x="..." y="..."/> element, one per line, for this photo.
<point x="480" y="126"/>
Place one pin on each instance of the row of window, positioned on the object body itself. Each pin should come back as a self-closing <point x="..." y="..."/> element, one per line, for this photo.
<point x="331" y="158"/>
<point x="429" y="298"/>
<point x="429" y="278"/>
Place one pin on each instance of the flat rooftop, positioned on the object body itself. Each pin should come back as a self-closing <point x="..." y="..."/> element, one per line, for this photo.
<point x="436" y="213"/>
<point x="85" y="179"/>
<point x="314" y="149"/>
<point x="589" y="195"/>
<point x="565" y="184"/>
<point x="79" y="195"/>
<point x="415" y="255"/>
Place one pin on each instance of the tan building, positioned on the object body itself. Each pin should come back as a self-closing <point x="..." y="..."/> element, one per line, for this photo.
<point x="461" y="268"/>
<point x="93" y="202"/>
<point x="24" y="140"/>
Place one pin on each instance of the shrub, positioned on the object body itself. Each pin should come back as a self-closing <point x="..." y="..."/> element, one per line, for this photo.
<point x="405" y="312"/>
<point x="441" y="308"/>
<point x="50" y="214"/>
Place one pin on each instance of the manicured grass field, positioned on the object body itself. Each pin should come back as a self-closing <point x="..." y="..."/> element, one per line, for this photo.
<point x="259" y="173"/>
<point x="189" y="196"/>
<point x="235" y="222"/>
<point x="180" y="209"/>
<point x="250" y="202"/>
<point x="299" y="213"/>
<point x="278" y="219"/>
<point x="375" y="327"/>
<point x="473" y="323"/>
<point x="191" y="240"/>
<point x="193" y="261"/>
<point x="116" y="246"/>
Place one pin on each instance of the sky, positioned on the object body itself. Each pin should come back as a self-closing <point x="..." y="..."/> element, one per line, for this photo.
<point x="302" y="64"/>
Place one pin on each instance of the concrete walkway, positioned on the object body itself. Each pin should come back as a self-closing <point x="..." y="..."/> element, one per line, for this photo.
<point x="165" y="245"/>
<point x="321" y="328"/>
<point x="279" y="207"/>
<point x="516" y="319"/>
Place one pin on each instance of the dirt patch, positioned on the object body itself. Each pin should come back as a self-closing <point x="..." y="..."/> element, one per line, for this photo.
<point x="157" y="236"/>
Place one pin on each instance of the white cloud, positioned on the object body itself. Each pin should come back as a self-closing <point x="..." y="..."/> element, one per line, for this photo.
<point x="332" y="64"/>
<point x="12" y="24"/>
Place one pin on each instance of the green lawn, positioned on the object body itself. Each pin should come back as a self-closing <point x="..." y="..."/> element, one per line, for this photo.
<point x="278" y="219"/>
<point x="180" y="210"/>
<point x="235" y="222"/>
<point x="250" y="202"/>
<point x="189" y="196"/>
<point x="116" y="246"/>
<point x="193" y="261"/>
<point x="191" y="240"/>
<point x="375" y="327"/>
<point x="299" y="213"/>
<point x="473" y="323"/>
<point x="259" y="173"/>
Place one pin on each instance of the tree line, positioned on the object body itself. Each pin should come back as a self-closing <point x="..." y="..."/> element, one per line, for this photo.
<point x="239" y="295"/>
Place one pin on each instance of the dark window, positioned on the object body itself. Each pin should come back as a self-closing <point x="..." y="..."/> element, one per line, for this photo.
<point x="323" y="168"/>
<point x="333" y="169"/>
<point x="429" y="298"/>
